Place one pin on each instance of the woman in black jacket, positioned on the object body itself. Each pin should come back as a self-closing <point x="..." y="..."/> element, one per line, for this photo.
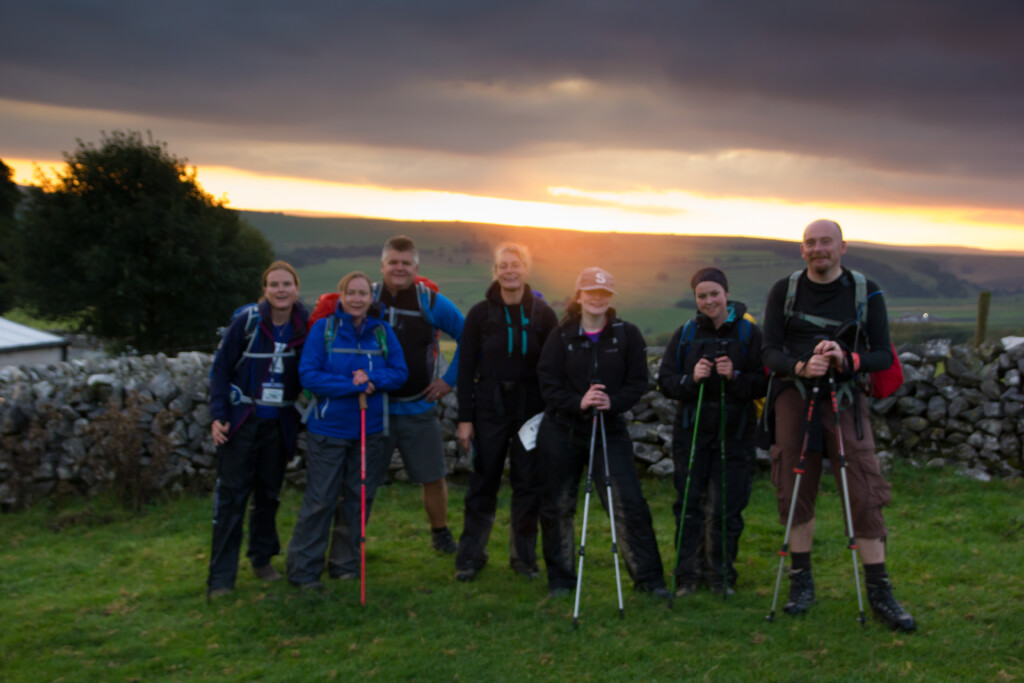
<point x="593" y="361"/>
<point x="498" y="392"/>
<point x="719" y="351"/>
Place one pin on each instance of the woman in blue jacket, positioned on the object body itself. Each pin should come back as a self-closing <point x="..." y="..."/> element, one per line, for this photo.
<point x="349" y="353"/>
<point x="253" y="386"/>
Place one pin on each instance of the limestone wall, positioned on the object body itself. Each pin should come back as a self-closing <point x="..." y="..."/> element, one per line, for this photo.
<point x="140" y="425"/>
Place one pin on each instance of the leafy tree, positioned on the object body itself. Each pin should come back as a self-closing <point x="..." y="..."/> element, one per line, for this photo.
<point x="10" y="195"/>
<point x="127" y="242"/>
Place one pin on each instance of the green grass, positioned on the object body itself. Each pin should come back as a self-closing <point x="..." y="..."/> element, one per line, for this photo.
<point x="115" y="597"/>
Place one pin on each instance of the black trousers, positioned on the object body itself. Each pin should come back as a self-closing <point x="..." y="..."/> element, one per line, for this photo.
<point x="564" y="449"/>
<point x="253" y="460"/>
<point x="700" y="553"/>
<point x="496" y="434"/>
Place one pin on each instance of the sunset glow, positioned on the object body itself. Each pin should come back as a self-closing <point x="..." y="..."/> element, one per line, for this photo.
<point x="577" y="209"/>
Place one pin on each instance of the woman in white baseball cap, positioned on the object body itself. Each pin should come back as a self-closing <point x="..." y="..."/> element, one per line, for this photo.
<point x="592" y="369"/>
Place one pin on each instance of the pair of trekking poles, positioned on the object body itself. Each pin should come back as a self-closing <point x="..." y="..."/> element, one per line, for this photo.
<point x="686" y="494"/>
<point x="598" y="419"/>
<point x="799" y="470"/>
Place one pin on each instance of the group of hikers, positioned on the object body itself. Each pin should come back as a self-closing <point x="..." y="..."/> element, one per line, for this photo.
<point x="370" y="362"/>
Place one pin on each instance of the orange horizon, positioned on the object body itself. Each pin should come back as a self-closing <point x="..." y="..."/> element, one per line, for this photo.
<point x="661" y="213"/>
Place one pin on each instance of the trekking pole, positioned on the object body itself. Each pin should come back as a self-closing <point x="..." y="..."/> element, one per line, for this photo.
<point x="799" y="470"/>
<point x="611" y="511"/>
<point x="686" y="495"/>
<point x="362" y="499"/>
<point x="846" y="496"/>
<point x="721" y="521"/>
<point x="586" y="511"/>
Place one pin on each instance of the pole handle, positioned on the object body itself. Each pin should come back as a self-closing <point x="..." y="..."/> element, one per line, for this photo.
<point x="362" y="401"/>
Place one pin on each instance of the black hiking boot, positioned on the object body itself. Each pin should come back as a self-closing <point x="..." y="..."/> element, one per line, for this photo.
<point x="801" y="592"/>
<point x="442" y="541"/>
<point x="885" y="607"/>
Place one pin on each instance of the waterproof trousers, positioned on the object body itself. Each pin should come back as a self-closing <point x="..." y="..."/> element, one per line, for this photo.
<point x="343" y="555"/>
<point x="497" y="435"/>
<point x="252" y="461"/>
<point x="563" y="450"/>
<point x="700" y="556"/>
<point x="332" y="472"/>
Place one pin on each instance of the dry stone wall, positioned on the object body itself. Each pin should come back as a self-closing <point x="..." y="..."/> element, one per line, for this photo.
<point x="140" y="425"/>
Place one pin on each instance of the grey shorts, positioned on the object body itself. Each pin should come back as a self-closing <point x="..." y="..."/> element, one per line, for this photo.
<point x="418" y="439"/>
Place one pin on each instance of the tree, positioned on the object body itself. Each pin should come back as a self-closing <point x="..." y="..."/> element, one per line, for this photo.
<point x="10" y="195"/>
<point x="125" y="241"/>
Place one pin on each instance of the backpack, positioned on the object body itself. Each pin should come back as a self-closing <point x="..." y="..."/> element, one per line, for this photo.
<point x="879" y="384"/>
<point x="743" y="326"/>
<point x="252" y="321"/>
<point x="426" y="294"/>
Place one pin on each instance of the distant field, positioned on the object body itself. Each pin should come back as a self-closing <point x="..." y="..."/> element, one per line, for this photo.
<point x="653" y="271"/>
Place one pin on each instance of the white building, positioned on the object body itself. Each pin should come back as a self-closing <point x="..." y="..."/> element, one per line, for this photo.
<point x="20" y="345"/>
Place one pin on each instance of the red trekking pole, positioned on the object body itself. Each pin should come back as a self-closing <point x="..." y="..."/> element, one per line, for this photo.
<point x="362" y="499"/>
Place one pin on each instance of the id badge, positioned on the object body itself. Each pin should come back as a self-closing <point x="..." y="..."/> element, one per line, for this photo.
<point x="273" y="392"/>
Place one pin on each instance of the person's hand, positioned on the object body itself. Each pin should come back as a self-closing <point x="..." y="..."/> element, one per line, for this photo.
<point x="833" y="351"/>
<point x="464" y="433"/>
<point x="595" y="398"/>
<point x="436" y="390"/>
<point x="815" y="366"/>
<point x="219" y="431"/>
<point x="724" y="367"/>
<point x="702" y="370"/>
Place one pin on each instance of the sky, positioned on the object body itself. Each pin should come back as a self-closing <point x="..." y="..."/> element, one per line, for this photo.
<point x="903" y="119"/>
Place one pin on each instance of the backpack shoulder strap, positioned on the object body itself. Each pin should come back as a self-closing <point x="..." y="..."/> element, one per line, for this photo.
<point x="382" y="340"/>
<point x="426" y="298"/>
<point x="860" y="297"/>
<point x="787" y="308"/>
<point x="685" y="338"/>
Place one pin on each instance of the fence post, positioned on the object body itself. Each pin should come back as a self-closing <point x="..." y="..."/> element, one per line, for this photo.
<point x="984" y="298"/>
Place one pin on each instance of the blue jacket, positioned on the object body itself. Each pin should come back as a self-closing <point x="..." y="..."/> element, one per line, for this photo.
<point x="327" y="373"/>
<point x="242" y="363"/>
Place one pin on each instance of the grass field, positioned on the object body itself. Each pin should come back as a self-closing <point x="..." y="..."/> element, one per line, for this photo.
<point x="95" y="594"/>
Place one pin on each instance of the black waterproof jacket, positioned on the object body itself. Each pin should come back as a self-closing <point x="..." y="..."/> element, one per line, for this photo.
<point x="570" y="363"/>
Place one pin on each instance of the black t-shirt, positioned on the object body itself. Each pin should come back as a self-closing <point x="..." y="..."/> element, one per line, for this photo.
<point x="788" y="340"/>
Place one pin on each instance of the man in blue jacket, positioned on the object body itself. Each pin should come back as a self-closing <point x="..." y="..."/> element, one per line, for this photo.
<point x="416" y="314"/>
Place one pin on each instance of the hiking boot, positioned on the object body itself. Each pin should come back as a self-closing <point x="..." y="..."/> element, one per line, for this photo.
<point x="345" y="576"/>
<point x="442" y="541"/>
<point x="266" y="573"/>
<point x="801" y="591"/>
<point x="558" y="592"/>
<point x="661" y="593"/>
<point x="465" y="575"/>
<point x="527" y="573"/>
<point x="314" y="586"/>
<point x="687" y="589"/>
<point x="717" y="590"/>
<point x="885" y="607"/>
<point x="220" y="592"/>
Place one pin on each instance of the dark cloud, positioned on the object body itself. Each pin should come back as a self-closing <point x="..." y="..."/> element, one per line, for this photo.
<point x="927" y="87"/>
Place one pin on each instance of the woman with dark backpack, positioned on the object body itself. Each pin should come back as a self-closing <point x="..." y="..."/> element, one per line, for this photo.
<point x="253" y="386"/>
<point x="593" y="363"/>
<point x="498" y="392"/>
<point x="715" y="356"/>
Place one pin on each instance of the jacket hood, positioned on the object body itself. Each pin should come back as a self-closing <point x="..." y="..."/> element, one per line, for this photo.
<point x="494" y="295"/>
<point x="299" y="321"/>
<point x="737" y="309"/>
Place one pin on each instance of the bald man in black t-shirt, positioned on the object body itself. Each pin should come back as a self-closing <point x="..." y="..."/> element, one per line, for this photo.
<point x="801" y="349"/>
